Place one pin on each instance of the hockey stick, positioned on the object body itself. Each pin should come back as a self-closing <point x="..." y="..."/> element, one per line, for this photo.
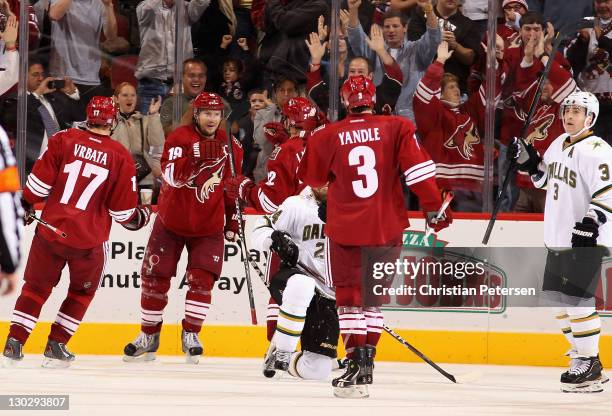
<point x="532" y="109"/>
<point x="447" y="200"/>
<point x="455" y="379"/>
<point x="242" y="240"/>
<point x="49" y="226"/>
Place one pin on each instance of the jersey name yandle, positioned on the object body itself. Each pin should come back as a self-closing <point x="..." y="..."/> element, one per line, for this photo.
<point x="87" y="179"/>
<point x="577" y="180"/>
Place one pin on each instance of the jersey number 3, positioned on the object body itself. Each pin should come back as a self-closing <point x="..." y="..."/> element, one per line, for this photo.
<point x="74" y="172"/>
<point x="365" y="159"/>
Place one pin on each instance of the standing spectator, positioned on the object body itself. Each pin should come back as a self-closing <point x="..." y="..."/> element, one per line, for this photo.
<point x="156" y="22"/>
<point x="460" y="33"/>
<point x="284" y="89"/>
<point x="194" y="81"/>
<point x="590" y="55"/>
<point x="9" y="59"/>
<point x="513" y="11"/>
<point x="283" y="51"/>
<point x="477" y="11"/>
<point x="562" y="14"/>
<point x="244" y="129"/>
<point x="142" y="135"/>
<point x="49" y="110"/>
<point x="451" y="132"/>
<point x="76" y="26"/>
<point x="412" y="57"/>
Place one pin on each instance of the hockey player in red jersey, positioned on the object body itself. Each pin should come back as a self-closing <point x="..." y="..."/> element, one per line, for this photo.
<point x="361" y="157"/>
<point x="301" y="118"/>
<point x="86" y="179"/>
<point x="194" y="212"/>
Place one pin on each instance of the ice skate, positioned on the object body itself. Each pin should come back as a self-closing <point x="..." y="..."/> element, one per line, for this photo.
<point x="143" y="348"/>
<point x="57" y="355"/>
<point x="191" y="347"/>
<point x="13" y="352"/>
<point x="370" y="354"/>
<point x="353" y="383"/>
<point x="281" y="360"/>
<point x="340" y="364"/>
<point x="269" y="360"/>
<point x="585" y="376"/>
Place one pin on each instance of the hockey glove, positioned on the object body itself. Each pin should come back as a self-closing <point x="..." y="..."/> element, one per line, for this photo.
<point x="208" y="150"/>
<point x="438" y="224"/>
<point x="28" y="212"/>
<point x="275" y="133"/>
<point x="526" y="156"/>
<point x="323" y="211"/>
<point x="231" y="231"/>
<point x="141" y="217"/>
<point x="238" y="187"/>
<point x="285" y="248"/>
<point x="585" y="233"/>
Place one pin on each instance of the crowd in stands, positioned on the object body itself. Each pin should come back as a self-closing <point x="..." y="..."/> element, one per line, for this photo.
<point x="426" y="57"/>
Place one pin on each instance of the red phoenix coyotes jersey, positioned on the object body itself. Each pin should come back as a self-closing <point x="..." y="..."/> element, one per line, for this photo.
<point x="362" y="158"/>
<point x="192" y="201"/>
<point x="451" y="134"/>
<point x="282" y="177"/>
<point x="86" y="179"/>
<point x="546" y="124"/>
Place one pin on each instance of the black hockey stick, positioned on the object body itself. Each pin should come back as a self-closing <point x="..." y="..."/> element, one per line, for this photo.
<point x="532" y="109"/>
<point x="455" y="379"/>
<point x="241" y="235"/>
<point x="49" y="226"/>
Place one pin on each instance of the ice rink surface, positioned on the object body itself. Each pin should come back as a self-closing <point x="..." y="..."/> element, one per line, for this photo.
<point x="104" y="385"/>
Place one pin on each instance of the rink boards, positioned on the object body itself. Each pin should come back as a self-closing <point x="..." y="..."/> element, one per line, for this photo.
<point x="521" y="336"/>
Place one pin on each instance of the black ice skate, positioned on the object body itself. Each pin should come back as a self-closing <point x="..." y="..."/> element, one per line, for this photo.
<point x="585" y="376"/>
<point x="370" y="354"/>
<point x="354" y="382"/>
<point x="13" y="352"/>
<point x="57" y="355"/>
<point x="281" y="360"/>
<point x="143" y="348"/>
<point x="191" y="347"/>
<point x="269" y="360"/>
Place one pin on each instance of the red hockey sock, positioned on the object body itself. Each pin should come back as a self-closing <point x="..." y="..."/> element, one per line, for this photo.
<point x="352" y="328"/>
<point x="197" y="301"/>
<point x="272" y="318"/>
<point x="27" y="310"/>
<point x="153" y="300"/>
<point x="70" y="315"/>
<point x="374" y="322"/>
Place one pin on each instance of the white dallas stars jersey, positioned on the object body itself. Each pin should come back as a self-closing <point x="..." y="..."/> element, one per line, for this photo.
<point x="577" y="181"/>
<point x="298" y="217"/>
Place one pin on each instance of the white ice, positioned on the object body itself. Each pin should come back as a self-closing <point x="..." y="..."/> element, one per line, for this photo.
<point x="104" y="385"/>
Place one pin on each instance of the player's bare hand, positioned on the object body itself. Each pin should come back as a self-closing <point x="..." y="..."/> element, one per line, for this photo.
<point x="316" y="48"/>
<point x="10" y="283"/>
<point x="155" y="105"/>
<point x="225" y="41"/>
<point x="443" y="52"/>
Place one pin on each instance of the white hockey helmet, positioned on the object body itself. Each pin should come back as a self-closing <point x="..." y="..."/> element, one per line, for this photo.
<point x="582" y="99"/>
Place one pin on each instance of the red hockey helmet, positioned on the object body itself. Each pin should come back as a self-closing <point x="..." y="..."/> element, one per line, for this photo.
<point x="358" y="91"/>
<point x="207" y="101"/>
<point x="101" y="111"/>
<point x="301" y="113"/>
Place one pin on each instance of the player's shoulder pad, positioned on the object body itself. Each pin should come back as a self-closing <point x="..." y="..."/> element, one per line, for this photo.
<point x="292" y="202"/>
<point x="275" y="153"/>
<point x="595" y="147"/>
<point x="321" y="127"/>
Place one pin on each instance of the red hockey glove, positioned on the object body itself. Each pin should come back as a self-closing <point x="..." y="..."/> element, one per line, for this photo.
<point x="141" y="217"/>
<point x="275" y="133"/>
<point x="435" y="223"/>
<point x="208" y="150"/>
<point x="231" y="230"/>
<point x="238" y="187"/>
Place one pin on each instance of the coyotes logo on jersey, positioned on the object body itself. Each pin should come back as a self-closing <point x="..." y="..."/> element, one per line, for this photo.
<point x="464" y="139"/>
<point x="540" y="131"/>
<point x="208" y="179"/>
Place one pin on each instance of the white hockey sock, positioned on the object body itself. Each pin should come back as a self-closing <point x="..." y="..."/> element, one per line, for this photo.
<point x="564" y="323"/>
<point x="586" y="327"/>
<point x="296" y="297"/>
<point x="310" y="366"/>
